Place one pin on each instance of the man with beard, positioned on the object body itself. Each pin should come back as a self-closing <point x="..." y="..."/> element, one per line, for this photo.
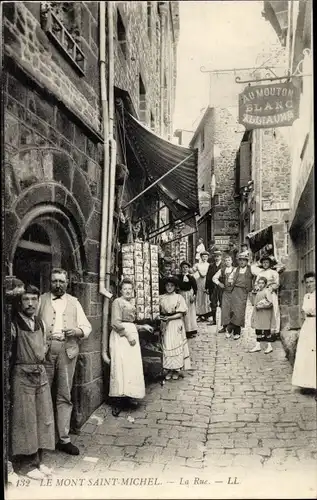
<point x="32" y="410"/>
<point x="66" y="325"/>
<point x="212" y="289"/>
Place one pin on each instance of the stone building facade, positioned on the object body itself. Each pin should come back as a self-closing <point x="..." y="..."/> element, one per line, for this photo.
<point x="53" y="144"/>
<point x="217" y="138"/>
<point x="145" y="59"/>
<point x="53" y="168"/>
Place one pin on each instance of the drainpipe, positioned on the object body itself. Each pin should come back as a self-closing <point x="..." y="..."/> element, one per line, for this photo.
<point x="112" y="181"/>
<point x="163" y="12"/>
<point x="105" y="215"/>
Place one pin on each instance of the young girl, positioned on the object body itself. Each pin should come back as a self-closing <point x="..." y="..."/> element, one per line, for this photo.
<point x="175" y="347"/>
<point x="263" y="319"/>
<point x="126" y="368"/>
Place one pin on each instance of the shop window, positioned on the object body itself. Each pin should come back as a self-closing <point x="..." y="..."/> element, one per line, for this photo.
<point x="149" y="20"/>
<point x="62" y="23"/>
<point x="121" y="34"/>
<point x="142" y="100"/>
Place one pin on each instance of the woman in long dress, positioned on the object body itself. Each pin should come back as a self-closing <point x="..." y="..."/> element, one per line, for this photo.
<point x="175" y="347"/>
<point x="272" y="277"/>
<point x="202" y="300"/>
<point x="126" y="368"/>
<point x="188" y="290"/>
<point x="304" y="373"/>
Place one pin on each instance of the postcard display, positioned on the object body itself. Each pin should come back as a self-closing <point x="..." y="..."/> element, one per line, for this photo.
<point x="140" y="265"/>
<point x="179" y="252"/>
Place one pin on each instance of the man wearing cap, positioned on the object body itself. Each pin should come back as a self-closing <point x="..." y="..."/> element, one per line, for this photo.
<point x="211" y="288"/>
<point x="66" y="325"/>
<point x="242" y="285"/>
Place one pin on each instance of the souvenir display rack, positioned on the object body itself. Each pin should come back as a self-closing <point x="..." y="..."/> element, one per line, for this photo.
<point x="140" y="265"/>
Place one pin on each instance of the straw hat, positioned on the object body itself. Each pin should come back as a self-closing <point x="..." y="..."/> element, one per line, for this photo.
<point x="204" y="253"/>
<point x="243" y="256"/>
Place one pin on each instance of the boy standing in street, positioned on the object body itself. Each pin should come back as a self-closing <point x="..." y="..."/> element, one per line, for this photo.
<point x="32" y="412"/>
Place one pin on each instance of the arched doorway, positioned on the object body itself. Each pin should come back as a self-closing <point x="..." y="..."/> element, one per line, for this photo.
<point x="44" y="244"/>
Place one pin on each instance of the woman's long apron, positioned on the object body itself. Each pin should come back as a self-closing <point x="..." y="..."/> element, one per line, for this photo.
<point x="32" y="411"/>
<point x="304" y="373"/>
<point x="126" y="368"/>
<point x="189" y="318"/>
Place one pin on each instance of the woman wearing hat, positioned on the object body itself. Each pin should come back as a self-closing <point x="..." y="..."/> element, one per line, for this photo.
<point x="202" y="302"/>
<point x="188" y="290"/>
<point x="175" y="347"/>
<point x="200" y="248"/>
<point x="265" y="270"/>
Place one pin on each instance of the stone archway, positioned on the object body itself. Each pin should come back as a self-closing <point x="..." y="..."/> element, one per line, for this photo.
<point x="45" y="240"/>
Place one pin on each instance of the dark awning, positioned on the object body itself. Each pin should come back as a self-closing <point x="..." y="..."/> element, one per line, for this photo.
<point x="158" y="157"/>
<point x="258" y="239"/>
<point x="178" y="211"/>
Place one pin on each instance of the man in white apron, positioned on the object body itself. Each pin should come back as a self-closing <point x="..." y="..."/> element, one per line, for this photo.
<point x="66" y="325"/>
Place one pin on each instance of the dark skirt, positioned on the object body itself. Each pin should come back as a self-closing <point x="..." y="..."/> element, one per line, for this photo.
<point x="225" y="307"/>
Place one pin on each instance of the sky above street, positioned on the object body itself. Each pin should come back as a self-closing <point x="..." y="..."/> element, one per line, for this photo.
<point x="217" y="35"/>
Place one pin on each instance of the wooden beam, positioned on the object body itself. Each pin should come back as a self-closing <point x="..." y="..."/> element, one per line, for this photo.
<point x="36" y="247"/>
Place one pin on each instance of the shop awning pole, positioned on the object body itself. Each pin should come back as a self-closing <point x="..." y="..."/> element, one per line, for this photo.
<point x="157" y="181"/>
<point x="179" y="238"/>
<point x="155" y="233"/>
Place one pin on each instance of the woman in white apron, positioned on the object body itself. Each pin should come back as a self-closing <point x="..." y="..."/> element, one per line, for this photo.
<point x="202" y="300"/>
<point x="126" y="368"/>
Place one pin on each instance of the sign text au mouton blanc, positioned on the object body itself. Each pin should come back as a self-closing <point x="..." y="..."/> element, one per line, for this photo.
<point x="266" y="106"/>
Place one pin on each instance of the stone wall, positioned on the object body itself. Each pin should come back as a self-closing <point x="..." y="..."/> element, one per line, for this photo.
<point x="142" y="59"/>
<point x="26" y="42"/>
<point x="271" y="153"/>
<point x="227" y="138"/>
<point x="53" y="161"/>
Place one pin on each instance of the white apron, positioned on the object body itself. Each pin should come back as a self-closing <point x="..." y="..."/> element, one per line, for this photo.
<point x="126" y="368"/>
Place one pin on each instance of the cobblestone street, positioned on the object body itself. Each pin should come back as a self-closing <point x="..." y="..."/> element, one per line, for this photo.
<point x="235" y="411"/>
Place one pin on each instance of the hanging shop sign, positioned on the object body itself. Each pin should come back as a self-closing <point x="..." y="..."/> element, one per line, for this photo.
<point x="269" y="106"/>
<point x="222" y="242"/>
<point x="204" y="202"/>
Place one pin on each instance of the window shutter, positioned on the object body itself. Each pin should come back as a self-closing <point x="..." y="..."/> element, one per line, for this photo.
<point x="245" y="163"/>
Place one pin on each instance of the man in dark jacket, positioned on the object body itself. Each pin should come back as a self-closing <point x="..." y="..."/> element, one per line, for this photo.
<point x="211" y="288"/>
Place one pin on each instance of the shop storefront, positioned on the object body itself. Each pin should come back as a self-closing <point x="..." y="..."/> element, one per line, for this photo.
<point x="158" y="174"/>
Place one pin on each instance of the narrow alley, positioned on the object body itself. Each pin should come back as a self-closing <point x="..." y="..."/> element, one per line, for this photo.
<point x="235" y="414"/>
